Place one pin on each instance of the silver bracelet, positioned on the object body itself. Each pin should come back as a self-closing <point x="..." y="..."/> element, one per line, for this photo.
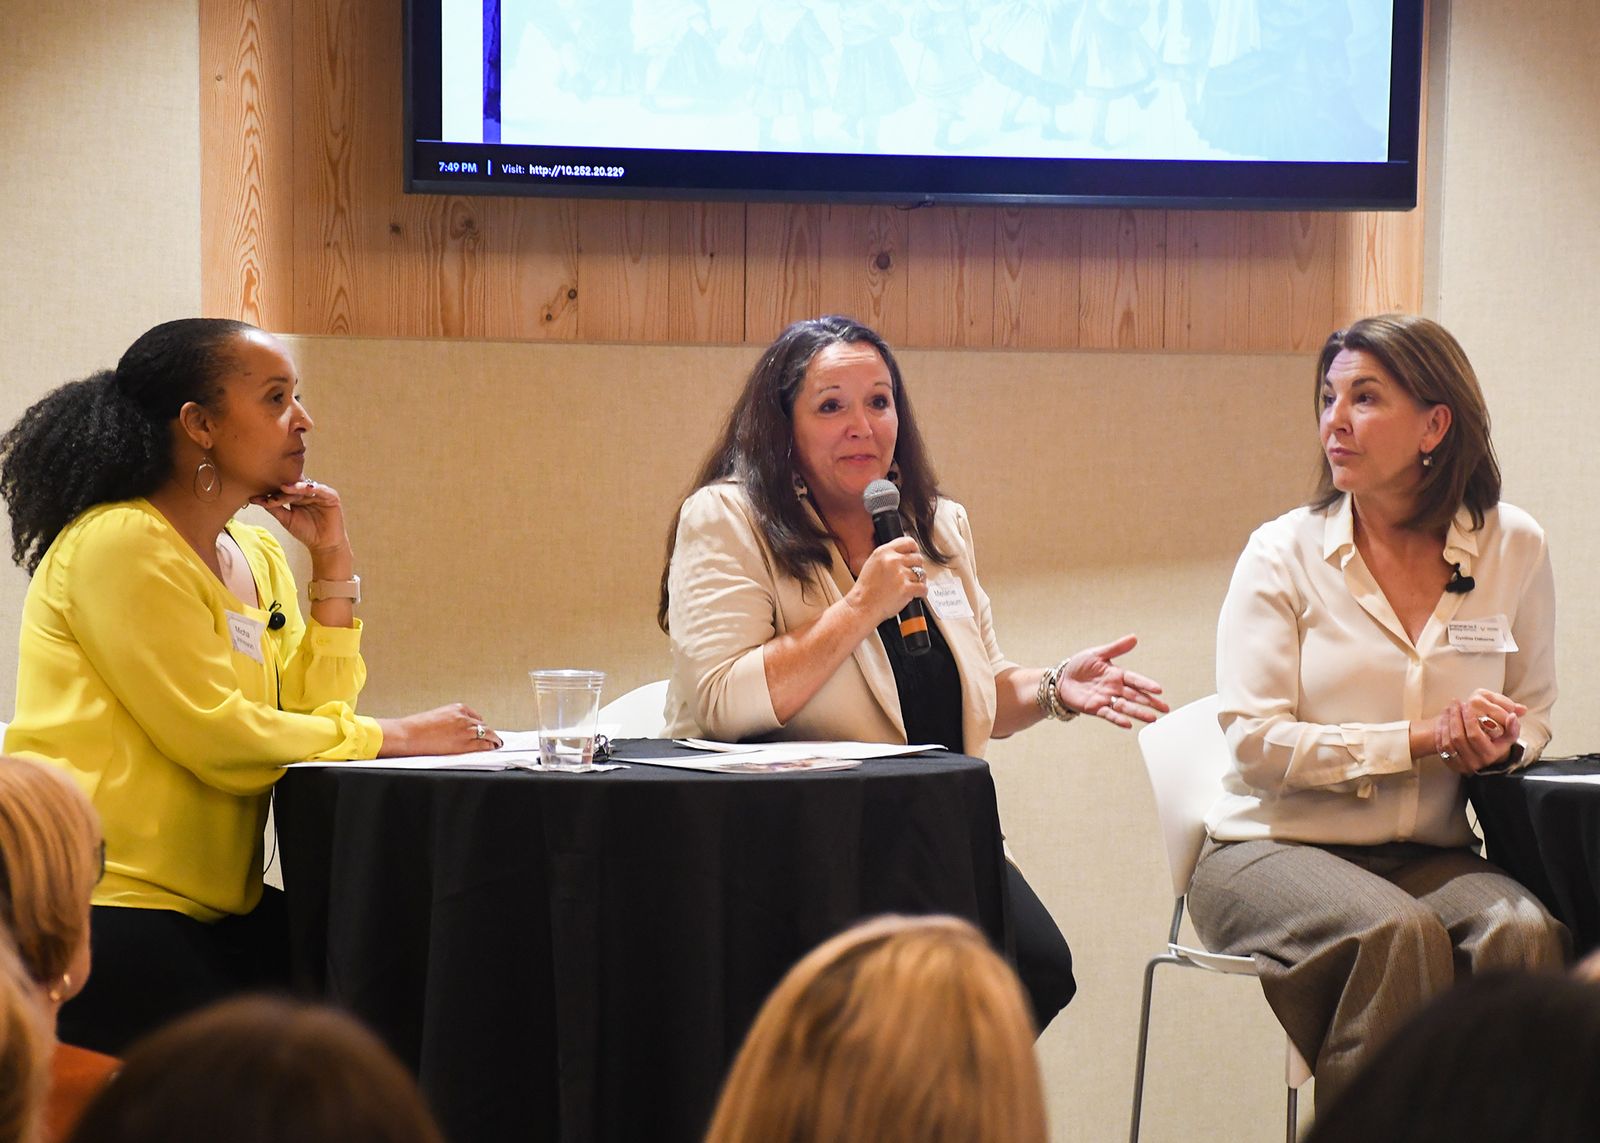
<point x="1050" y="704"/>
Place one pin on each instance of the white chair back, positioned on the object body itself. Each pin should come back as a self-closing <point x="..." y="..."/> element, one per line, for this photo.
<point x="641" y="713"/>
<point x="1186" y="756"/>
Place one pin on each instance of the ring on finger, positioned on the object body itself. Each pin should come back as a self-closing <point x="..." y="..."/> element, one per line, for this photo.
<point x="920" y="575"/>
<point x="1445" y="755"/>
<point x="479" y="730"/>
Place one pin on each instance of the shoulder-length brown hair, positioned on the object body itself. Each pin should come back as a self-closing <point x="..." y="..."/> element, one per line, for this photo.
<point x="257" y="1069"/>
<point x="755" y="450"/>
<point x="25" y="1046"/>
<point x="899" y="1028"/>
<point x="1430" y="365"/>
<point x="49" y="865"/>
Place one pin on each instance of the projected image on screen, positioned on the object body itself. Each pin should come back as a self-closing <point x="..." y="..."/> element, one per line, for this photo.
<point x="1287" y="80"/>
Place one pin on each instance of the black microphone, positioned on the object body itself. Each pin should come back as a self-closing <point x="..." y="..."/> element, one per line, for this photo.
<point x="275" y="616"/>
<point x="1459" y="584"/>
<point x="882" y="500"/>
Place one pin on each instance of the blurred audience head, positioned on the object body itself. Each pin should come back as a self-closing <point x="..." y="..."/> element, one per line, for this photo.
<point x="50" y="861"/>
<point x="1502" y="1058"/>
<point x="260" y="1070"/>
<point x="25" y="1043"/>
<point x="899" y="1028"/>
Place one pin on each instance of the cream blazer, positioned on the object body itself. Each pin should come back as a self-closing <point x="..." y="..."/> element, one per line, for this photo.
<point x="727" y="598"/>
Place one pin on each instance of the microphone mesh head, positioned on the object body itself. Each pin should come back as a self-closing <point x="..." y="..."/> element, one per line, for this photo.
<point x="881" y="496"/>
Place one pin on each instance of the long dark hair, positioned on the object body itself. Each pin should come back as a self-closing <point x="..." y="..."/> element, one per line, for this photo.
<point x="754" y="449"/>
<point x="1429" y="364"/>
<point x="108" y="436"/>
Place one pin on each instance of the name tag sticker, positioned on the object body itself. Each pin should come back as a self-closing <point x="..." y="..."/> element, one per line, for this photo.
<point x="1482" y="636"/>
<point x="947" y="597"/>
<point x="246" y="634"/>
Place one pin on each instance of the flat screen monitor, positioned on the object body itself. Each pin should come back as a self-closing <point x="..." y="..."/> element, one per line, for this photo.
<point x="1228" y="104"/>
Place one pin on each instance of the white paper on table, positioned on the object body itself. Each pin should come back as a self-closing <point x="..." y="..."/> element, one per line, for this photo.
<point x="1575" y="779"/>
<point x="840" y="750"/>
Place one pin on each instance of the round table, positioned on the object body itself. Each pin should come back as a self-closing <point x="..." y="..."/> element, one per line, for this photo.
<point x="578" y="956"/>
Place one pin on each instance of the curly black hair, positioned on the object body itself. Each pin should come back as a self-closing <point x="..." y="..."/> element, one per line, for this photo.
<point x="108" y="436"/>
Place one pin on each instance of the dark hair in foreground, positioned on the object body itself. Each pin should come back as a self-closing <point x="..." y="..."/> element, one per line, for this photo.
<point x="260" y="1070"/>
<point x="899" y="1028"/>
<point x="754" y="449"/>
<point x="108" y="436"/>
<point x="1502" y="1058"/>
<point x="1429" y="364"/>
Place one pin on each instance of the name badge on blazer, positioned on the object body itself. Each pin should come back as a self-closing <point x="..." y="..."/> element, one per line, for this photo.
<point x="947" y="596"/>
<point x="246" y="635"/>
<point x="1491" y="635"/>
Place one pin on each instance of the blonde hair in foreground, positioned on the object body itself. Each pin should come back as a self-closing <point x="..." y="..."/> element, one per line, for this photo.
<point x="899" y="1028"/>
<point x="25" y="1046"/>
<point x="50" y="858"/>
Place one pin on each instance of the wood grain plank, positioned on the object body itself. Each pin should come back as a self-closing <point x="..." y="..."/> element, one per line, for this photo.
<point x="246" y="138"/>
<point x="783" y="271"/>
<point x="531" y="271"/>
<point x="1291" y="280"/>
<point x="623" y="276"/>
<point x="1208" y="281"/>
<point x="1122" y="302"/>
<point x="1036" y="278"/>
<point x="863" y="267"/>
<point x="705" y="267"/>
<point x="951" y="277"/>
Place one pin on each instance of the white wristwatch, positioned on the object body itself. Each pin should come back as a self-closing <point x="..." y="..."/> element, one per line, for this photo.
<point x="335" y="589"/>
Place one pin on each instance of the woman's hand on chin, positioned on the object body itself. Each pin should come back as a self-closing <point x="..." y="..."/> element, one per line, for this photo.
<point x="311" y="512"/>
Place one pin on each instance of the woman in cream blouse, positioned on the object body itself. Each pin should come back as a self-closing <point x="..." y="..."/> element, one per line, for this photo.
<point x="1375" y="645"/>
<point x="781" y="604"/>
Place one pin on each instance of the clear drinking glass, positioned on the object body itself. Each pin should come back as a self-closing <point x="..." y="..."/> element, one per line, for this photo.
<point x="568" y="704"/>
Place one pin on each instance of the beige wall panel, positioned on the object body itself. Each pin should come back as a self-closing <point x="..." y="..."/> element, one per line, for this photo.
<point x="99" y="202"/>
<point x="247" y="124"/>
<point x="1123" y="280"/>
<point x="952" y="278"/>
<point x="784" y="276"/>
<point x="1036" y="278"/>
<point x="1518" y="285"/>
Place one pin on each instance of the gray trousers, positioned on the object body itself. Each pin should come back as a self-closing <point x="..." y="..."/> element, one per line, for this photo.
<point x="1351" y="940"/>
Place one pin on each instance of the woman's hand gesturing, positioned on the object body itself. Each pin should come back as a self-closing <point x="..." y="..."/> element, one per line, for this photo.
<point x="1091" y="683"/>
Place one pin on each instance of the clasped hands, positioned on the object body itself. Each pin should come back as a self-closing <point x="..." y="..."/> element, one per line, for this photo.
<point x="1478" y="733"/>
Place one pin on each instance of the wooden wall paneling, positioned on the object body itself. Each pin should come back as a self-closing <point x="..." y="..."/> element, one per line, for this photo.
<point x="951" y="277"/>
<point x="1377" y="264"/>
<point x="246" y="141"/>
<point x="783" y="270"/>
<point x="1291" y="280"/>
<point x="532" y="268"/>
<point x="706" y="270"/>
<point x="864" y="265"/>
<point x="623" y="273"/>
<point x="1122" y="304"/>
<point x="1036" y="277"/>
<point x="1208" y="280"/>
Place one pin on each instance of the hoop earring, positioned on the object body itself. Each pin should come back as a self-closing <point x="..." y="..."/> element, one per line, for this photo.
<point x="207" y="481"/>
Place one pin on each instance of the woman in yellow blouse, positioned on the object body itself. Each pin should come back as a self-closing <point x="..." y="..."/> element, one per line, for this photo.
<point x="164" y="662"/>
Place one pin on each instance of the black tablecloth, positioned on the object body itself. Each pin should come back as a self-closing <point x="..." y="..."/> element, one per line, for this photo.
<point x="1547" y="836"/>
<point x="577" y="957"/>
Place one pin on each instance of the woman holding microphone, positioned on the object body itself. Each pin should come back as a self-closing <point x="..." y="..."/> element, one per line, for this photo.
<point x="781" y="604"/>
<point x="164" y="662"/>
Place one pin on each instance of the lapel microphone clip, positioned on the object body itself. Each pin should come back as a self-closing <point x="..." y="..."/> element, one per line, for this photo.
<point x="277" y="620"/>
<point x="1459" y="584"/>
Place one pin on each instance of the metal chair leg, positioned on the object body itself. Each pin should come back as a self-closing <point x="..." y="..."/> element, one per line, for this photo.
<point x="1144" y="1039"/>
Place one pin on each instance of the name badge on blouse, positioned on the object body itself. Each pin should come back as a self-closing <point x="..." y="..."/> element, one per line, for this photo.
<point x="1482" y="636"/>
<point x="246" y="635"/>
<point x="947" y="597"/>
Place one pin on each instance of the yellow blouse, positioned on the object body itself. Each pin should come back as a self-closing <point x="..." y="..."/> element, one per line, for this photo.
<point x="173" y="704"/>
